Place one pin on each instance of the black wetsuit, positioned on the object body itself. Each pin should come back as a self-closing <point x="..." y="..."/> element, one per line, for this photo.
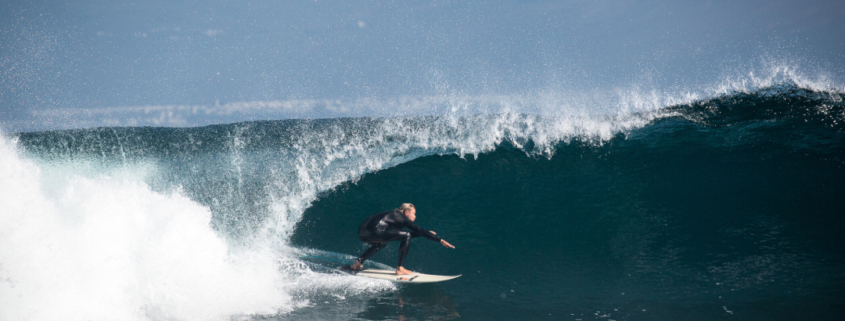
<point x="384" y="227"/>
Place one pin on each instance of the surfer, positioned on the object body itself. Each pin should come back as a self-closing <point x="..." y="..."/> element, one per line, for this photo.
<point x="384" y="227"/>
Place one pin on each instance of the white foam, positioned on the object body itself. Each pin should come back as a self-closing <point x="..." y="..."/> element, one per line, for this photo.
<point x="112" y="249"/>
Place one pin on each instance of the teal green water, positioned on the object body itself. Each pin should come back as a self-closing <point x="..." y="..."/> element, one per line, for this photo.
<point x="625" y="230"/>
<point x="727" y="208"/>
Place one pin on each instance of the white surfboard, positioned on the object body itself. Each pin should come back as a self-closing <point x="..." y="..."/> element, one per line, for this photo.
<point x="390" y="275"/>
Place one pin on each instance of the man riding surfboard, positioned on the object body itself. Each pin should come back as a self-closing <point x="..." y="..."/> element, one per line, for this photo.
<point x="380" y="228"/>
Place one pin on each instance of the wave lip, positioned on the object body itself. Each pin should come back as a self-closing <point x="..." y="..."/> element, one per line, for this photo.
<point x="555" y="101"/>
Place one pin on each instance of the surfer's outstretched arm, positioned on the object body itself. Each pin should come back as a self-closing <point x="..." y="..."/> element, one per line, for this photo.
<point x="446" y="244"/>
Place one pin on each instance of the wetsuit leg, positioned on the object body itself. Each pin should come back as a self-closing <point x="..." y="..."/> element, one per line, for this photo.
<point x="374" y="248"/>
<point x="382" y="238"/>
<point x="405" y="242"/>
<point x="404" y="246"/>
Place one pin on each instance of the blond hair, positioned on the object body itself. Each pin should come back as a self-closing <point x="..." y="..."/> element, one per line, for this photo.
<point x="404" y="207"/>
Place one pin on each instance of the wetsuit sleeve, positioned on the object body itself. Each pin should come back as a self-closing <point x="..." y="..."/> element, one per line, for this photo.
<point x="419" y="231"/>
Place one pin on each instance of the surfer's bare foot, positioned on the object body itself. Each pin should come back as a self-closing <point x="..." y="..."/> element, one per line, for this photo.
<point x="403" y="271"/>
<point x="356" y="266"/>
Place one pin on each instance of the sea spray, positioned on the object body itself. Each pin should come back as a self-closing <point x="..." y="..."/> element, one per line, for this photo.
<point x="561" y="99"/>
<point x="105" y="248"/>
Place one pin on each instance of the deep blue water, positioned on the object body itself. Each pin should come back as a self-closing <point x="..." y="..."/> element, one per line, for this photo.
<point x="725" y="208"/>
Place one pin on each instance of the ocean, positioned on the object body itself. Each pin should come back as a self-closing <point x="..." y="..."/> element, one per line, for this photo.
<point x="722" y="207"/>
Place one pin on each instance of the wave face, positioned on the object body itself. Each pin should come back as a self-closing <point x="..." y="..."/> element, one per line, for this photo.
<point x="714" y="209"/>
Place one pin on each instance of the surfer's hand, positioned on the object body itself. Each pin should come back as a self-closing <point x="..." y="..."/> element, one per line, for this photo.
<point x="432" y="232"/>
<point x="446" y="244"/>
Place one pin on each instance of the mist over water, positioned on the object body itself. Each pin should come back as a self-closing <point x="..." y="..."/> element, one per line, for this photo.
<point x="88" y="65"/>
<point x="555" y="100"/>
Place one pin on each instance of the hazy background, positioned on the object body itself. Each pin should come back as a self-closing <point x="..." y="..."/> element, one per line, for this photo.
<point x="68" y="64"/>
